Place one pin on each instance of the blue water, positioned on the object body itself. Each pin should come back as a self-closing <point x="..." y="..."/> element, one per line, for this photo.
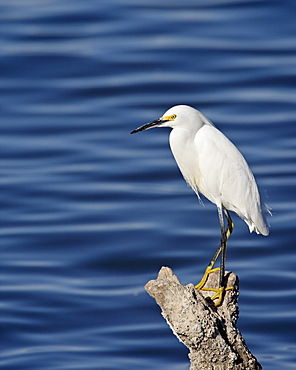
<point x="89" y="213"/>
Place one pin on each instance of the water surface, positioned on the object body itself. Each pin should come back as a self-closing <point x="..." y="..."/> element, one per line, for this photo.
<point x="89" y="213"/>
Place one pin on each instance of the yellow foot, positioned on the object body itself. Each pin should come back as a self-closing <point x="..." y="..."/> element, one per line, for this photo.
<point x="219" y="292"/>
<point x="204" y="279"/>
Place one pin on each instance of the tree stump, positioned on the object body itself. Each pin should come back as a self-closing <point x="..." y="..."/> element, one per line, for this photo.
<point x="209" y="332"/>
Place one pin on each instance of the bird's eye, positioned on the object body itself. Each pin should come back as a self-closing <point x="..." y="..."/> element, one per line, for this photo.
<point x="169" y="118"/>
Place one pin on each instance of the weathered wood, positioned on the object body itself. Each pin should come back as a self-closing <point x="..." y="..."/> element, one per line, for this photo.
<point x="209" y="332"/>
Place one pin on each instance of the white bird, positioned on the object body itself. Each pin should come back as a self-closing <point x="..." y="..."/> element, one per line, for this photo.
<point x="212" y="165"/>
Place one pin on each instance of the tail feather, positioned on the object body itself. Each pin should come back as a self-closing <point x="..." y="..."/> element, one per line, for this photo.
<point x="259" y="223"/>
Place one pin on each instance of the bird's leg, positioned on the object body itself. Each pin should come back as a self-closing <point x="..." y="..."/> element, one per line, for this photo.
<point x="222" y="248"/>
<point x="230" y="224"/>
<point x="224" y="240"/>
<point x="209" y="269"/>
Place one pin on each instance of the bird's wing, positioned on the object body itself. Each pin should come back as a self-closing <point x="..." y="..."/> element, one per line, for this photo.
<point x="225" y="177"/>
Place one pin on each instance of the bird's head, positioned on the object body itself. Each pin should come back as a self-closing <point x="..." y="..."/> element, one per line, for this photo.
<point x="177" y="116"/>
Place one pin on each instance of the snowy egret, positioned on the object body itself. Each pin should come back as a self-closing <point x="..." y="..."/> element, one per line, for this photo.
<point x="213" y="166"/>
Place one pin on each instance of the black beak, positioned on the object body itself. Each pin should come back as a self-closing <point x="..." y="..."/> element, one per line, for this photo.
<point x="152" y="124"/>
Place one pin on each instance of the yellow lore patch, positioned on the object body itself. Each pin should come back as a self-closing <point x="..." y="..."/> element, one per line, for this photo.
<point x="169" y="118"/>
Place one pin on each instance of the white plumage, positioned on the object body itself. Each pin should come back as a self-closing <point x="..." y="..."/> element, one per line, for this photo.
<point x="213" y="166"/>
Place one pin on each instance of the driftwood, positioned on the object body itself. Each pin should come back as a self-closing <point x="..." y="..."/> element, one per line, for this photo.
<point x="209" y="332"/>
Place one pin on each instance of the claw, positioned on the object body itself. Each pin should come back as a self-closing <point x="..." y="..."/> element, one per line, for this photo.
<point x="219" y="292"/>
<point x="208" y="271"/>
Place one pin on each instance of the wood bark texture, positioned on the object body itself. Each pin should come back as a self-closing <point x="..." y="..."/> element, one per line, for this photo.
<point x="209" y="332"/>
